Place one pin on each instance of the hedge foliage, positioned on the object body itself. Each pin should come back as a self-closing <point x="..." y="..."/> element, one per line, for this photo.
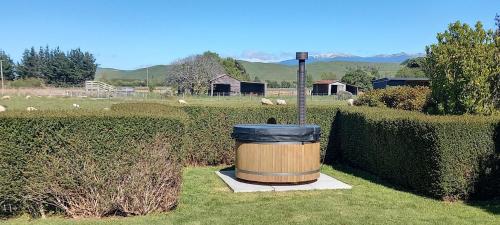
<point x="448" y="157"/>
<point x="102" y="135"/>
<point x="401" y="97"/>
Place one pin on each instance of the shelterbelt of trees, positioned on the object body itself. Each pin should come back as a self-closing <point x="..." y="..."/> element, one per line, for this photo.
<point x="53" y="66"/>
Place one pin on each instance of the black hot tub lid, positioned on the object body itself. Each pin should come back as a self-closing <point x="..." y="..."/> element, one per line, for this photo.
<point x="276" y="133"/>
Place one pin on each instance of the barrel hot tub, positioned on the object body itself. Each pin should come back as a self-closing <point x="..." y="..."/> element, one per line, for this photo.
<point x="273" y="153"/>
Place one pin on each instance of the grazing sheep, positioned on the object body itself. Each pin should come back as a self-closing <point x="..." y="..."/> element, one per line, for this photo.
<point x="29" y="109"/>
<point x="6" y="97"/>
<point x="182" y="102"/>
<point x="106" y="109"/>
<point x="3" y="108"/>
<point x="280" y="102"/>
<point x="350" y="102"/>
<point x="266" y="101"/>
<point x="76" y="106"/>
<point x="28" y="96"/>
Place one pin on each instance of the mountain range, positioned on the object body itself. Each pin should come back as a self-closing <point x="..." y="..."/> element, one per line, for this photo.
<point x="339" y="57"/>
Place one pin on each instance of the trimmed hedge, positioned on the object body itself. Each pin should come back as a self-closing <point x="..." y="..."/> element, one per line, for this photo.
<point x="447" y="157"/>
<point x="25" y="134"/>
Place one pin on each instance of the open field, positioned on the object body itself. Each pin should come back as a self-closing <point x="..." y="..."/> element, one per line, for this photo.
<point x="65" y="103"/>
<point x="205" y="199"/>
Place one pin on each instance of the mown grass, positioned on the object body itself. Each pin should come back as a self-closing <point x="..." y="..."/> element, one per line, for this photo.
<point x="205" y="199"/>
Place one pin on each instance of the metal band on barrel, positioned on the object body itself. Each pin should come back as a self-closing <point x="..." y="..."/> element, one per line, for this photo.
<point x="277" y="174"/>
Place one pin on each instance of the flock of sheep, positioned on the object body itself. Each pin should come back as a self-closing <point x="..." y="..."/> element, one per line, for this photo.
<point x="29" y="108"/>
<point x="266" y="101"/>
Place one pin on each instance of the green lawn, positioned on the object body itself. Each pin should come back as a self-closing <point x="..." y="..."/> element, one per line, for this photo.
<point x="205" y="199"/>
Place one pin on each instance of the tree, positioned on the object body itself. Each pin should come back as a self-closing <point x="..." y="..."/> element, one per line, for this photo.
<point x="495" y="80"/>
<point x="412" y="68"/>
<point x="358" y="77"/>
<point x="309" y="81"/>
<point x="286" y="84"/>
<point x="231" y="66"/>
<point x="30" y="65"/>
<point x="328" y="76"/>
<point x="193" y="73"/>
<point x="8" y="66"/>
<point x="256" y="79"/>
<point x="462" y="69"/>
<point x="57" y="67"/>
<point x="272" y="84"/>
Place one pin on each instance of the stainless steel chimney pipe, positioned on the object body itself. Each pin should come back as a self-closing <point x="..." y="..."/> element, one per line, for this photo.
<point x="301" y="87"/>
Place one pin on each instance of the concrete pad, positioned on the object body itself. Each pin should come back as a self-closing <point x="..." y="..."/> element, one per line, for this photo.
<point x="324" y="182"/>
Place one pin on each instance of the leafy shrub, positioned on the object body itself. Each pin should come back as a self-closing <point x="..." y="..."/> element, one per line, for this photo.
<point x="452" y="157"/>
<point x="406" y="98"/>
<point x="463" y="68"/>
<point x="91" y="138"/>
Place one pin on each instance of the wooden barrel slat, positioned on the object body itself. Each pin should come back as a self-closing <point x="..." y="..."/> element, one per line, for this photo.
<point x="278" y="162"/>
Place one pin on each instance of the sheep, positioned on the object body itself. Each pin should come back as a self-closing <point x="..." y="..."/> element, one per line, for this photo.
<point x="76" y="106"/>
<point x="28" y="96"/>
<point x="280" y="102"/>
<point x="350" y="102"/>
<point x="182" y="102"/>
<point x="6" y="97"/>
<point x="106" y="109"/>
<point x="266" y="101"/>
<point x="29" y="109"/>
<point x="3" y="108"/>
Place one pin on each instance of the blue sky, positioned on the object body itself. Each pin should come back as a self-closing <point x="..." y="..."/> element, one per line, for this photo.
<point x="131" y="34"/>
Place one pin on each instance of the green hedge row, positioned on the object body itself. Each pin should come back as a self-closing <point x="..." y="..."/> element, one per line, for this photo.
<point x="24" y="134"/>
<point x="448" y="157"/>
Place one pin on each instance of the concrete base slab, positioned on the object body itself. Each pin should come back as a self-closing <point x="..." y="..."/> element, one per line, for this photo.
<point x="324" y="182"/>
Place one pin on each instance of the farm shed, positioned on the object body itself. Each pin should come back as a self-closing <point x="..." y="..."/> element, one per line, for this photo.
<point x="226" y="85"/>
<point x="353" y="89"/>
<point x="327" y="87"/>
<point x="409" y="81"/>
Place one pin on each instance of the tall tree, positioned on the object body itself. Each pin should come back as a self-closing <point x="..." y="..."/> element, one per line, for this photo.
<point x="30" y="65"/>
<point x="358" y="77"/>
<point x="194" y="73"/>
<point x="8" y="66"/>
<point x="462" y="67"/>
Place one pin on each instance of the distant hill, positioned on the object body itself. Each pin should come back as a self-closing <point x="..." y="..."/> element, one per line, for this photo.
<point x="274" y="71"/>
<point x="265" y="71"/>
<point x="332" y="57"/>
<point x="156" y="73"/>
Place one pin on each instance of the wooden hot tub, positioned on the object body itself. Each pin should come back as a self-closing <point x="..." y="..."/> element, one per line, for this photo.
<point x="277" y="153"/>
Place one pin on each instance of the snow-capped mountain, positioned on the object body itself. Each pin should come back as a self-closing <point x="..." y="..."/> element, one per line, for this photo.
<point x="336" y="57"/>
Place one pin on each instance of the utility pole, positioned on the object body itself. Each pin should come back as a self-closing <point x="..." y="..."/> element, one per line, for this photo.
<point x="1" y="74"/>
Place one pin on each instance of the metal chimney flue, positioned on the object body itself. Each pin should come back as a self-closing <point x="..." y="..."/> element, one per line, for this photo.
<point x="301" y="87"/>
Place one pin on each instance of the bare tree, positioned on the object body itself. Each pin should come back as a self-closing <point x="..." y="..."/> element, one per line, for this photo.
<point x="193" y="73"/>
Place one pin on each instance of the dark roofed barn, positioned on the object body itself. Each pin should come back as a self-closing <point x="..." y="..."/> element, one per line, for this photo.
<point x="389" y="82"/>
<point x="226" y="85"/>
